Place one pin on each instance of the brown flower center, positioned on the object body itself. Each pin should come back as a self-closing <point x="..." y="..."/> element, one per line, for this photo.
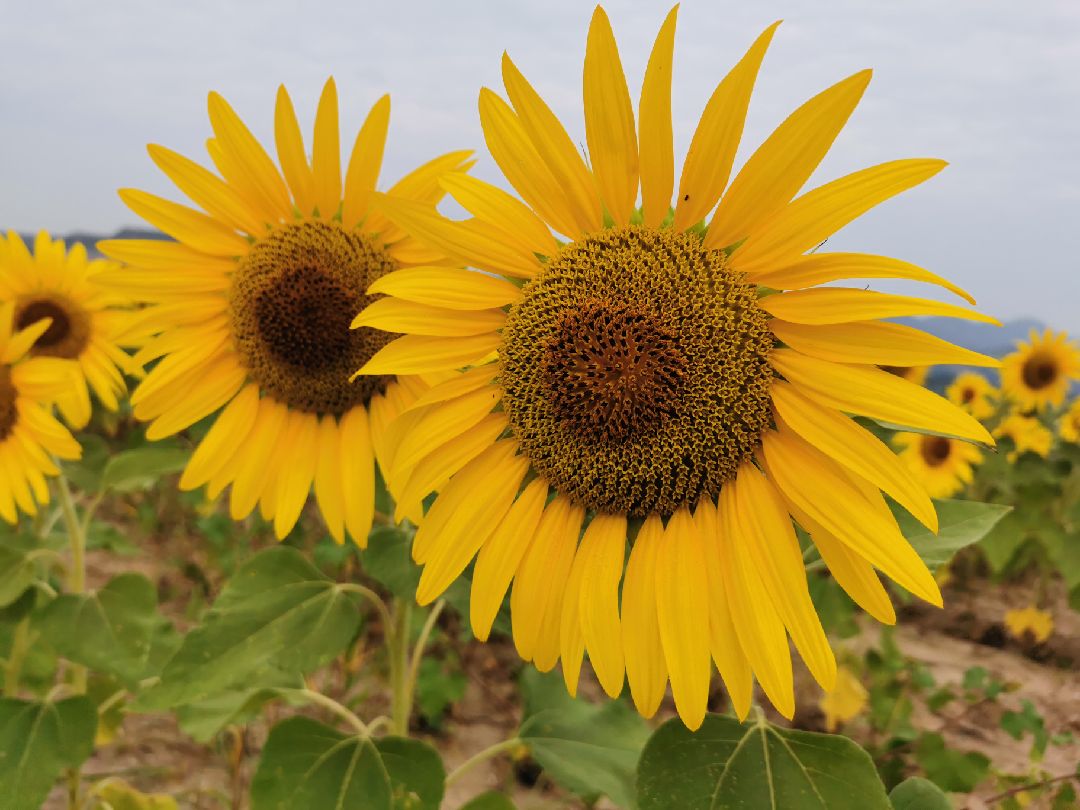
<point x="635" y="371"/>
<point x="9" y="415"/>
<point x="68" y="333"/>
<point x="1039" y="372"/>
<point x="935" y="450"/>
<point x="292" y="300"/>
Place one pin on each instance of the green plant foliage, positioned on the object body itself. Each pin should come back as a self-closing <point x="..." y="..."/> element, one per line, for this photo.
<point x="108" y="631"/>
<point x="438" y="685"/>
<point x="489" y="801"/>
<point x="141" y="468"/>
<point x="727" y="765"/>
<point x="308" y="764"/>
<point x="388" y="560"/>
<point x="276" y="612"/>
<point x="917" y="793"/>
<point x="416" y="771"/>
<point x="116" y="794"/>
<point x="39" y="740"/>
<point x="205" y="719"/>
<point x="590" y="749"/>
<point x="962" y="523"/>
<point x="1027" y="720"/>
<point x="950" y="770"/>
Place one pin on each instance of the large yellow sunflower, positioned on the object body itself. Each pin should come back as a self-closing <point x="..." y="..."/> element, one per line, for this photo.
<point x="1027" y="434"/>
<point x="944" y="466"/>
<point x="29" y="434"/>
<point x="645" y="390"/>
<point x="253" y="303"/>
<point x="85" y="318"/>
<point x="1069" y="424"/>
<point x="1041" y="370"/>
<point x="974" y="393"/>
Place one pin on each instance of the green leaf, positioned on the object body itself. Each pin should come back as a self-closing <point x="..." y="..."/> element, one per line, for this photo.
<point x="437" y="687"/>
<point x="141" y="468"/>
<point x="276" y="612"/>
<point x="950" y="770"/>
<point x="37" y="742"/>
<point x="917" y="793"/>
<point x="307" y="764"/>
<point x="587" y="748"/>
<point x="727" y="765"/>
<point x="85" y="473"/>
<point x="961" y="523"/>
<point x="108" y="630"/>
<point x="18" y="572"/>
<point x="206" y="718"/>
<point x="388" y="560"/>
<point x="417" y="775"/>
<point x="489" y="801"/>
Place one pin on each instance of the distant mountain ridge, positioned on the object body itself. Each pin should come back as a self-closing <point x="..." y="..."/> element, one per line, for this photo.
<point x="90" y="240"/>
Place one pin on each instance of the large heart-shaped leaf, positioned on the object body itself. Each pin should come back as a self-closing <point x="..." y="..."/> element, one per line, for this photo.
<point x="108" y="630"/>
<point x="489" y="801"/>
<point x="961" y="523"/>
<point x="141" y="468"/>
<point x="308" y="764"/>
<point x="417" y="775"/>
<point x="917" y="793"/>
<point x="727" y="765"/>
<point x="277" y="612"/>
<point x="38" y="740"/>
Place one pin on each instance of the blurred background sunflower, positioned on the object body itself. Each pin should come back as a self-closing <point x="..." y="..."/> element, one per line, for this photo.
<point x="87" y="317"/>
<point x="646" y="392"/>
<point x="1041" y="370"/>
<point x="944" y="466"/>
<point x="974" y="393"/>
<point x="1026" y="433"/>
<point x="251" y="305"/>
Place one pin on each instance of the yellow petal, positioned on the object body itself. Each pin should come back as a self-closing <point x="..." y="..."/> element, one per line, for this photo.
<point x="218" y="384"/>
<point x="500" y="557"/>
<point x="408" y="317"/>
<point x="229" y="430"/>
<point x="357" y="473"/>
<point x="784" y="162"/>
<point x="254" y="471"/>
<point x="22" y="341"/>
<point x="820" y="489"/>
<point x="657" y="154"/>
<point x="601" y="556"/>
<point x="830" y="305"/>
<point x="420" y="354"/>
<point x="190" y="227"/>
<point x="295" y="479"/>
<point x="326" y="153"/>
<point x="424" y="183"/>
<point x="457" y="385"/>
<point x="291" y="153"/>
<point x="328" y="477"/>
<point x="643" y="651"/>
<point x="682" y="605"/>
<point x="855" y="448"/>
<point x="716" y="140"/>
<point x="818" y="214"/>
<point x="461" y="534"/>
<point x="609" y="121"/>
<point x="571" y="640"/>
<point x="206" y="190"/>
<point x="723" y="641"/>
<point x="555" y="148"/>
<point x="877" y="394"/>
<point x="494" y="206"/>
<point x="774" y="551"/>
<point x="875" y="343"/>
<point x="365" y="163"/>
<point x="757" y="624"/>
<point x="522" y="165"/>
<point x="449" y="287"/>
<point x="819" y="268"/>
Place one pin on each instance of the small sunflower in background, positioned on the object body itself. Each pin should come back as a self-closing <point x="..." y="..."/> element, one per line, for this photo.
<point x="252" y="307"/>
<point x="87" y="317"/>
<point x="974" y="393"/>
<point x="1026" y="433"/>
<point x="1041" y="371"/>
<point x="1039" y="624"/>
<point x="1069" y="424"/>
<point x="29" y="434"/>
<point x="944" y="466"/>
<point x="639" y="392"/>
<point x="913" y="374"/>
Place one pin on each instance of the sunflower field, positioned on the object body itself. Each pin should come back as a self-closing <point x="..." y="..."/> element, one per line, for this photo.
<point x="616" y="488"/>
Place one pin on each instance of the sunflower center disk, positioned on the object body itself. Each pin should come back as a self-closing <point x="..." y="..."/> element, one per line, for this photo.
<point x="635" y="371"/>
<point x="291" y="302"/>
<point x="66" y="336"/>
<point x="935" y="450"/>
<point x="8" y="413"/>
<point x="1039" y="372"/>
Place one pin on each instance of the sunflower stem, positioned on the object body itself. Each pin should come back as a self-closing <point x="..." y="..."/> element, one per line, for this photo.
<point x="418" y="650"/>
<point x="488" y="753"/>
<point x="20" y="645"/>
<point x="398" y="647"/>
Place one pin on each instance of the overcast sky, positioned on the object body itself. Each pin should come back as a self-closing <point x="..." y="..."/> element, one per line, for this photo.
<point x="993" y="87"/>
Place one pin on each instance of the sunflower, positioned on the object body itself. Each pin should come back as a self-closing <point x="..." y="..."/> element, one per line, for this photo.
<point x="645" y="390"/>
<point x="29" y="434"/>
<point x="914" y="374"/>
<point x="86" y="320"/>
<point x="1041" y="371"/>
<point x="1026" y="433"/>
<point x="1069" y="424"/>
<point x="942" y="465"/>
<point x="252" y="305"/>
<point x="974" y="393"/>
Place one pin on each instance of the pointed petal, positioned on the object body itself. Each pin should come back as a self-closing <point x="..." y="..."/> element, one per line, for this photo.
<point x="365" y="163"/>
<point x="326" y="153"/>
<point x="291" y="153"/>
<point x="646" y="670"/>
<point x="831" y="305"/>
<point x="601" y="555"/>
<point x="657" y="153"/>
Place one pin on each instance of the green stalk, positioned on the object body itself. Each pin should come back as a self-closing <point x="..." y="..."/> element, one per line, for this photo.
<point x="76" y="584"/>
<point x="488" y="753"/>
<point x="398" y="648"/>
<point x="20" y="645"/>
